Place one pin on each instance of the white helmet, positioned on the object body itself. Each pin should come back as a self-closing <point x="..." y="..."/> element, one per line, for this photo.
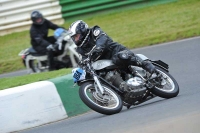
<point x="79" y="27"/>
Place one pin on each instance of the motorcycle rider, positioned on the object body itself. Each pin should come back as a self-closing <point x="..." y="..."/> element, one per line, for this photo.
<point x="86" y="38"/>
<point x="39" y="39"/>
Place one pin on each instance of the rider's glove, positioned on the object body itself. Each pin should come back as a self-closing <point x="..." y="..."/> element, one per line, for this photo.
<point x="96" y="53"/>
<point x="51" y="47"/>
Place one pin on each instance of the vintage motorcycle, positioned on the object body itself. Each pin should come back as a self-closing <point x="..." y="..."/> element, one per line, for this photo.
<point x="36" y="63"/>
<point x="100" y="84"/>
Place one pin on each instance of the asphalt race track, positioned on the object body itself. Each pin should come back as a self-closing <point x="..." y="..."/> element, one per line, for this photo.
<point x="177" y="115"/>
<point x="14" y="74"/>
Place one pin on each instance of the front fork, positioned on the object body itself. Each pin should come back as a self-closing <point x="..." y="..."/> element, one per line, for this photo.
<point x="100" y="88"/>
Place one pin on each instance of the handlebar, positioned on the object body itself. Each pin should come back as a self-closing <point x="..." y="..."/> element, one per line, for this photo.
<point x="64" y="36"/>
<point x="88" y="59"/>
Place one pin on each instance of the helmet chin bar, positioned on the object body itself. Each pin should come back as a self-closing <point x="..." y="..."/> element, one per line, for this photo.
<point x="39" y="23"/>
<point x="86" y="37"/>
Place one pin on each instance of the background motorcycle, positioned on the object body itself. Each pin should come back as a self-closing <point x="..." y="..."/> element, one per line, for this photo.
<point x="36" y="63"/>
<point x="100" y="84"/>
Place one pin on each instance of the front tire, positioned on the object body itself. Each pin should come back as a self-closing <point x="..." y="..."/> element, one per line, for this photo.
<point x="108" y="104"/>
<point x="170" y="89"/>
<point x="34" y="65"/>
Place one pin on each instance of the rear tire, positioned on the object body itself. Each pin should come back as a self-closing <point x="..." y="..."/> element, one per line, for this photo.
<point x="102" y="104"/>
<point x="173" y="88"/>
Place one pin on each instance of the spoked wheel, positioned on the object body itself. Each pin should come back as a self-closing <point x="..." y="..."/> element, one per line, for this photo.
<point x="169" y="87"/>
<point x="108" y="103"/>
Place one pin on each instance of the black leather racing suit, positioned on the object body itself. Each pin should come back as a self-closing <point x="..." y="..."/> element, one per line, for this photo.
<point x="40" y="41"/>
<point x="100" y="39"/>
<point x="111" y="50"/>
<point x="39" y="33"/>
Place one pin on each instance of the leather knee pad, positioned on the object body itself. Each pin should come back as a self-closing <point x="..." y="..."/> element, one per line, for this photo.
<point x="122" y="58"/>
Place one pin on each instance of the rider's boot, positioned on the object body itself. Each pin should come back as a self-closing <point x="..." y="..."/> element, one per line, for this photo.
<point x="145" y="64"/>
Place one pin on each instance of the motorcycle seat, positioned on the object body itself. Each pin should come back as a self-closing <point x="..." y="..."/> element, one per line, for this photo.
<point x="33" y="52"/>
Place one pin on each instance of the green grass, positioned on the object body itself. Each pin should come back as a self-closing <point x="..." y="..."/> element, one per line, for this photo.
<point x="22" y="80"/>
<point x="132" y="28"/>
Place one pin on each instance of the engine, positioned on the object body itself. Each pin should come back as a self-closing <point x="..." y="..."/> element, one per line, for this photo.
<point x="134" y="86"/>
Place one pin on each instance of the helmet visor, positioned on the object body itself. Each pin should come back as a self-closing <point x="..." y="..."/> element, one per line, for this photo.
<point x="38" y="20"/>
<point x="76" y="38"/>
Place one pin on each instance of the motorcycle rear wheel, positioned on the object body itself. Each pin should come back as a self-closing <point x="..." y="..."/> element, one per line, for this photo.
<point x="170" y="89"/>
<point x="108" y="104"/>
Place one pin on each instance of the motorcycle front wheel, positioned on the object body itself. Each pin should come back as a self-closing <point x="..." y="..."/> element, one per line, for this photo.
<point x="34" y="65"/>
<point x="109" y="103"/>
